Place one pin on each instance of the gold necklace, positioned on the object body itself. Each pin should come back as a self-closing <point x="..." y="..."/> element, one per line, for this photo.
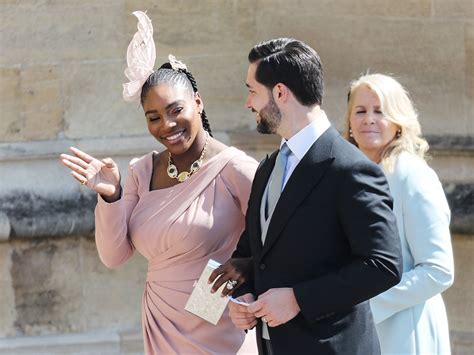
<point x="195" y="166"/>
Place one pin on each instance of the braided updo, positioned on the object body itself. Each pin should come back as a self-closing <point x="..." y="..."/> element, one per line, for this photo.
<point x="182" y="77"/>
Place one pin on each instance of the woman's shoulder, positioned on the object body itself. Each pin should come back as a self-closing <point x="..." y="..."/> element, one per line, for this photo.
<point x="413" y="171"/>
<point x="238" y="174"/>
<point x="140" y="161"/>
<point x="239" y="166"/>
<point x="407" y="164"/>
<point x="143" y="164"/>
<point x="241" y="160"/>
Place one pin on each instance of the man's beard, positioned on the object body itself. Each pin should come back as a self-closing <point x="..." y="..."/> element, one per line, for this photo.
<point x="270" y="118"/>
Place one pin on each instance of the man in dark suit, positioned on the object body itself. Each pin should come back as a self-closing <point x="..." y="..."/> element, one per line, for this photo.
<point x="320" y="237"/>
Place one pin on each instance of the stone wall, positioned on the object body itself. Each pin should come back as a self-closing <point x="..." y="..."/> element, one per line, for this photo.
<point x="61" y="71"/>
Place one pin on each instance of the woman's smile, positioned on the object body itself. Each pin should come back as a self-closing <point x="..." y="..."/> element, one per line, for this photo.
<point x="175" y="137"/>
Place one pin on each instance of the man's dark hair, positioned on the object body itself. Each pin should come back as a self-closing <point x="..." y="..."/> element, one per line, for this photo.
<point x="290" y="62"/>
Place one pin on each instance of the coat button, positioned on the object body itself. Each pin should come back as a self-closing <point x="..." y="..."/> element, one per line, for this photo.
<point x="262" y="266"/>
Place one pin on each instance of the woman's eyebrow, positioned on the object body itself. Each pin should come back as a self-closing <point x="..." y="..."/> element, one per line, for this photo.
<point x="174" y="103"/>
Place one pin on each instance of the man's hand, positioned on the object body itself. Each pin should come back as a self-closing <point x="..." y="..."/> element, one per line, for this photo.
<point x="276" y="306"/>
<point x="236" y="270"/>
<point x="241" y="317"/>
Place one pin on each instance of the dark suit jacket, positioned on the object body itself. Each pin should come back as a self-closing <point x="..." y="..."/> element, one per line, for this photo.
<point x="333" y="239"/>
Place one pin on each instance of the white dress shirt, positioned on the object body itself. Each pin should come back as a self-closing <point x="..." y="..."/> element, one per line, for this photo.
<point x="300" y="143"/>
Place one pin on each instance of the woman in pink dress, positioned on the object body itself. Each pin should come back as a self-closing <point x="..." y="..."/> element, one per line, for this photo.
<point x="178" y="208"/>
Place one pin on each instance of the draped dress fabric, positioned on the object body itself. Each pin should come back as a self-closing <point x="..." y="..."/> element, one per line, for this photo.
<point x="178" y="229"/>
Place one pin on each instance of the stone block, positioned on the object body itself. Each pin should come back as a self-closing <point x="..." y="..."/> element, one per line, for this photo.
<point x="131" y="341"/>
<point x="33" y="215"/>
<point x="200" y="27"/>
<point x="469" y="48"/>
<point x="430" y="64"/>
<point x="364" y="8"/>
<point x="51" y="31"/>
<point x="454" y="8"/>
<point x="112" y="298"/>
<point x="460" y="197"/>
<point x="451" y="144"/>
<point x="462" y="343"/>
<point x="459" y="298"/>
<point x="93" y="102"/>
<point x="31" y="106"/>
<point x="70" y="344"/>
<point x="41" y="107"/>
<point x="5" y="227"/>
<point x="10" y="103"/>
<point x="455" y="169"/>
<point x="7" y="310"/>
<point x="9" y="86"/>
<point x="229" y="114"/>
<point x="47" y="285"/>
<point x="255" y="144"/>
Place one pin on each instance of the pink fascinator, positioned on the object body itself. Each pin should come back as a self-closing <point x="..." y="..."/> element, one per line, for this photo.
<point x="141" y="56"/>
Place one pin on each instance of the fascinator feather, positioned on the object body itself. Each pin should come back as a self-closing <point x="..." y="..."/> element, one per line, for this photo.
<point x="141" y="56"/>
<point x="176" y="64"/>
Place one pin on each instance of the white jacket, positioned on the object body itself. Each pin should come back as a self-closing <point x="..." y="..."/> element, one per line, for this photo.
<point x="411" y="317"/>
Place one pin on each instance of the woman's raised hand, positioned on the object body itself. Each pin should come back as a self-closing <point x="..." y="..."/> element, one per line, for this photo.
<point x="102" y="176"/>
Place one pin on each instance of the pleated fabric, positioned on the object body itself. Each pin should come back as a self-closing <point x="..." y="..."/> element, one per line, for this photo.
<point x="178" y="229"/>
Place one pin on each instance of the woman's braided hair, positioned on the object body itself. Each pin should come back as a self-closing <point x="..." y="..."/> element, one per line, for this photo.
<point x="166" y="74"/>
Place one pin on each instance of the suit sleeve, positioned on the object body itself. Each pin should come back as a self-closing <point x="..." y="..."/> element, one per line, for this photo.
<point x="111" y="224"/>
<point x="364" y="208"/>
<point x="425" y="222"/>
<point x="243" y="249"/>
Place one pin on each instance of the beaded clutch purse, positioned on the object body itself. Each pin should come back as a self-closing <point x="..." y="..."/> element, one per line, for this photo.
<point x="202" y="303"/>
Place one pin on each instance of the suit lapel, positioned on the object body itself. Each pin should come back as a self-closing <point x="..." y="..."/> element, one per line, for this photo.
<point x="304" y="178"/>
<point x="259" y="184"/>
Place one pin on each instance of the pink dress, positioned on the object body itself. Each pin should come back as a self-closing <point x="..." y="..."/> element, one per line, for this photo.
<point x="178" y="229"/>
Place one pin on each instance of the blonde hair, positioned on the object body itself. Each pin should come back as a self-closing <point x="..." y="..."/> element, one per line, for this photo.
<point x="396" y="107"/>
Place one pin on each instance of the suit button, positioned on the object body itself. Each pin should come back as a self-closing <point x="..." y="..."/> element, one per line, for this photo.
<point x="262" y="266"/>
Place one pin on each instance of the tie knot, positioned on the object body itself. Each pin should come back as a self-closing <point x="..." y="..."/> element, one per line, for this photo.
<point x="285" y="150"/>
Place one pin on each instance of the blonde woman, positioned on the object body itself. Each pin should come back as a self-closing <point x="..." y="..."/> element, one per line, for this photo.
<point x="382" y="122"/>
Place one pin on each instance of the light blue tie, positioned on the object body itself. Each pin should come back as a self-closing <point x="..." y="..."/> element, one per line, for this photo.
<point x="276" y="179"/>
